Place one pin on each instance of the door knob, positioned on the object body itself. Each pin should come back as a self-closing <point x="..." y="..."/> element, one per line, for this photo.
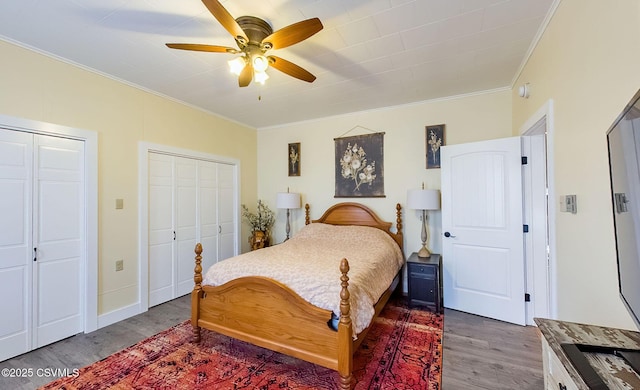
<point x="447" y="234"/>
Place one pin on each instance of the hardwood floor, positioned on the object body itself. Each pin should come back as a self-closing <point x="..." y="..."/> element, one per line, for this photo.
<point x="479" y="353"/>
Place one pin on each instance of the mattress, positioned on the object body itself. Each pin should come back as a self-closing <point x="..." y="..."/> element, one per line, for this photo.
<point x="309" y="264"/>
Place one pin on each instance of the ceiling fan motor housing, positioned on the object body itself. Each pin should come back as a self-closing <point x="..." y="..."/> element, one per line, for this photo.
<point x="256" y="30"/>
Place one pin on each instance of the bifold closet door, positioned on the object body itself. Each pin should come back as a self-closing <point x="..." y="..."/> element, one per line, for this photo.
<point x="207" y="214"/>
<point x="16" y="248"/>
<point x="186" y="225"/>
<point x="190" y="201"/>
<point x="59" y="238"/>
<point x="42" y="240"/>
<point x="226" y="211"/>
<point x="161" y="232"/>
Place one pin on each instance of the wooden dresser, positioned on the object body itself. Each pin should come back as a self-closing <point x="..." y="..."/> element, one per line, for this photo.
<point x="559" y="371"/>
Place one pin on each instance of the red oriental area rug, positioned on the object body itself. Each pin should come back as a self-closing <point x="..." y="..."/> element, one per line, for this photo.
<point x="403" y="350"/>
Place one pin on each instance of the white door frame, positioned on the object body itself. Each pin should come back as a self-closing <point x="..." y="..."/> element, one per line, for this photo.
<point x="539" y="265"/>
<point x="90" y="139"/>
<point x="144" y="148"/>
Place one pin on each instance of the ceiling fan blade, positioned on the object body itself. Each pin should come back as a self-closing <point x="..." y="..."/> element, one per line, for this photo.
<point x="292" y="34"/>
<point x="245" y="76"/>
<point x="198" y="47"/>
<point x="226" y="20"/>
<point x="291" y="69"/>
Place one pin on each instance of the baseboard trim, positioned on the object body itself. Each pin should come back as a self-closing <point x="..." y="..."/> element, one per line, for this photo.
<point x="117" y="315"/>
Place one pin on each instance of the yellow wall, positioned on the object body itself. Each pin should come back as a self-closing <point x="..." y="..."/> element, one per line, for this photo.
<point x="40" y="88"/>
<point x="467" y="119"/>
<point x="587" y="63"/>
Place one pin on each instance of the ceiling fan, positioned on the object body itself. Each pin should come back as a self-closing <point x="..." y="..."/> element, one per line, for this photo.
<point x="254" y="38"/>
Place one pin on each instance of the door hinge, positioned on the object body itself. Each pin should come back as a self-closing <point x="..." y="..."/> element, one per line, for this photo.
<point x="524" y="160"/>
<point x="527" y="297"/>
<point x="525" y="228"/>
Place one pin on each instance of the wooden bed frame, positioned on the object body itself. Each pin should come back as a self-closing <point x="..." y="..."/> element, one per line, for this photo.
<point x="269" y="314"/>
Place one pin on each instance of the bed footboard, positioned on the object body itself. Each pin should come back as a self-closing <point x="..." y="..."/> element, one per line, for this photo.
<point x="269" y="314"/>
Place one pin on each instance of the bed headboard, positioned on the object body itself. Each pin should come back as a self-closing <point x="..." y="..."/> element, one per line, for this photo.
<point x="351" y="213"/>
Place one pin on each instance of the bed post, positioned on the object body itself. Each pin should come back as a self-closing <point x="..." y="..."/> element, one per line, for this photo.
<point x="398" y="236"/>
<point x="345" y="331"/>
<point x="307" y="220"/>
<point x="196" y="294"/>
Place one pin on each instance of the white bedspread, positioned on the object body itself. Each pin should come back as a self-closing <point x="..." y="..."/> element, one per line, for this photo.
<point x="309" y="263"/>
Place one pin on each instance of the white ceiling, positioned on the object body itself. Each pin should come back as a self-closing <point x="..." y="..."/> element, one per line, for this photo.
<point x="370" y="54"/>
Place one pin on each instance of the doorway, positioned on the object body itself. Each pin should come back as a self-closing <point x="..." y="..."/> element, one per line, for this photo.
<point x="498" y="247"/>
<point x="203" y="206"/>
<point x="538" y="207"/>
<point x="51" y="188"/>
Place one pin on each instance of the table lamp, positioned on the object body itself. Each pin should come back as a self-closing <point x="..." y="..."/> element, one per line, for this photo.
<point x="421" y="199"/>
<point x="288" y="200"/>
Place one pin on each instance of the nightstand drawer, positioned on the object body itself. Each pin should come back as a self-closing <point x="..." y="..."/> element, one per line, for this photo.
<point x="421" y="270"/>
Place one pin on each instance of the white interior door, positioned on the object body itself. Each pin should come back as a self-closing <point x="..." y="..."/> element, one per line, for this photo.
<point x="483" y="247"/>
<point x="186" y="197"/>
<point x="161" y="233"/>
<point x="16" y="248"/>
<point x="208" y="213"/>
<point x="187" y="229"/>
<point x="184" y="204"/>
<point x="226" y="211"/>
<point x="59" y="231"/>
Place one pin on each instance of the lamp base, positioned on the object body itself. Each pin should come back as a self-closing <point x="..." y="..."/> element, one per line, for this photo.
<point x="424" y="252"/>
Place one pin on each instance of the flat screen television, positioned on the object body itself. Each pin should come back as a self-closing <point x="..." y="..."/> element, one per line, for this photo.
<point x="623" y="139"/>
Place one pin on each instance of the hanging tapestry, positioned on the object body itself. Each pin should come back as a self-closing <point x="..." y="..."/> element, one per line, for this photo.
<point x="360" y="166"/>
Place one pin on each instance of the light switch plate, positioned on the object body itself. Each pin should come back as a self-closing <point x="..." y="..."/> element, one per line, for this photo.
<point x="568" y="204"/>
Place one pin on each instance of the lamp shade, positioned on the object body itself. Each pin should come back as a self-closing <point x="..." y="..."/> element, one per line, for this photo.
<point x="288" y="200"/>
<point x="419" y="199"/>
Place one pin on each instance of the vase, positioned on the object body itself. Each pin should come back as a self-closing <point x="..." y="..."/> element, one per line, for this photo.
<point x="258" y="239"/>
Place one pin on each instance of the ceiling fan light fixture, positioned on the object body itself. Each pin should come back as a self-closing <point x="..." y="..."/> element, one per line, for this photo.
<point x="260" y="63"/>
<point x="237" y="64"/>
<point x="254" y="37"/>
<point x="260" y="77"/>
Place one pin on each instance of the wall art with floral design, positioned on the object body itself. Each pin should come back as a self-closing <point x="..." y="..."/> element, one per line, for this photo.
<point x="434" y="140"/>
<point x="360" y="166"/>
<point x="294" y="159"/>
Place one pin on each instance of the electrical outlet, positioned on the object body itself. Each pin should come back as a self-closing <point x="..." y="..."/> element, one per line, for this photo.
<point x="119" y="265"/>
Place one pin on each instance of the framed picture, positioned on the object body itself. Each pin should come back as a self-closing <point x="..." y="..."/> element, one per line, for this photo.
<point x="434" y="140"/>
<point x="294" y="159"/>
<point x="360" y="166"/>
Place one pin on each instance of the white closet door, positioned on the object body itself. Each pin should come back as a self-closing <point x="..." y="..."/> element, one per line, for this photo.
<point x="226" y="210"/>
<point x="59" y="231"/>
<point x="161" y="233"/>
<point x="208" y="213"/>
<point x="16" y="248"/>
<point x="186" y="223"/>
<point x="190" y="201"/>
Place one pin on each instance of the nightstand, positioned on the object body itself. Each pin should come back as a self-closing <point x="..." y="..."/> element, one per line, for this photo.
<point x="425" y="281"/>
